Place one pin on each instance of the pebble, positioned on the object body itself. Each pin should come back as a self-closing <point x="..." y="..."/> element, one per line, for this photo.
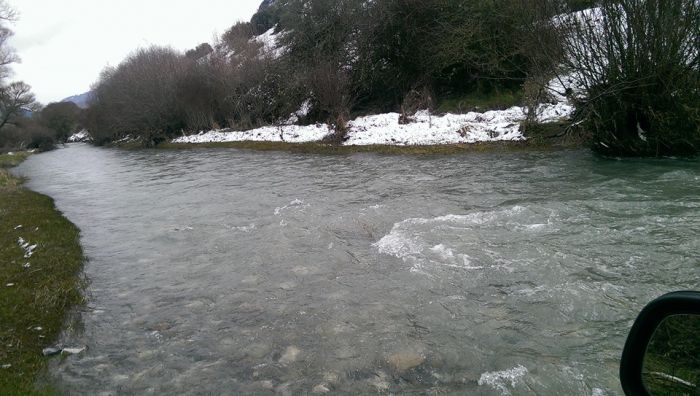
<point x="51" y="351"/>
<point x="320" y="389"/>
<point x="267" y="384"/>
<point x="331" y="377"/>
<point x="74" y="351"/>
<point x="380" y="381"/>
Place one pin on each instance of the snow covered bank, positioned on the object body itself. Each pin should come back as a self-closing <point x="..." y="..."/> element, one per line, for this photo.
<point x="82" y="136"/>
<point x="285" y="133"/>
<point x="385" y="129"/>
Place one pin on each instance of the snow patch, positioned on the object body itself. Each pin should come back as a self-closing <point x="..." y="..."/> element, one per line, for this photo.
<point x="303" y="111"/>
<point x="385" y="129"/>
<point x="502" y="380"/>
<point x="79" y="137"/>
<point x="28" y="249"/>
<point x="270" y="44"/>
<point x="283" y="133"/>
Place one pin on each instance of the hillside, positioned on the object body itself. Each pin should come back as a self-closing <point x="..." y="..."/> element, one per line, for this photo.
<point x="82" y="100"/>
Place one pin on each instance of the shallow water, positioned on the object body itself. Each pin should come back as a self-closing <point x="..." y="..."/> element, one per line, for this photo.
<point x="237" y="272"/>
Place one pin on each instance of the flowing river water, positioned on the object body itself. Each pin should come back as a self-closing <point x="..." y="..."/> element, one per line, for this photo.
<point x="237" y="272"/>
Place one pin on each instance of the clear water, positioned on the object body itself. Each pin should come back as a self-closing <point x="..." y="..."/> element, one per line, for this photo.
<point x="237" y="272"/>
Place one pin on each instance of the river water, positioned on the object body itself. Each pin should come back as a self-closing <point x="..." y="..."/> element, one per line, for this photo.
<point x="236" y="272"/>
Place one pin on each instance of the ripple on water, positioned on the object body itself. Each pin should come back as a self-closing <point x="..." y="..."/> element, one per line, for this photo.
<point x="461" y="241"/>
<point x="542" y="263"/>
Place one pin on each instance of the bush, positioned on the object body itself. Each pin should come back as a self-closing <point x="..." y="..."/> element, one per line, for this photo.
<point x="639" y="64"/>
<point x="140" y="97"/>
<point x="63" y="119"/>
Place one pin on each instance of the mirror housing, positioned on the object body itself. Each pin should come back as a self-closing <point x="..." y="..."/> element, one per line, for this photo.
<point x="657" y="311"/>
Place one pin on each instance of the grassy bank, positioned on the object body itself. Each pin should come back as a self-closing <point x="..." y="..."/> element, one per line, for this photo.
<point x="320" y="148"/>
<point x="37" y="290"/>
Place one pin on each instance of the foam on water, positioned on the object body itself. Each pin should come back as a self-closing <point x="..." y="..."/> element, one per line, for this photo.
<point x="502" y="380"/>
<point x="426" y="242"/>
<point x="297" y="204"/>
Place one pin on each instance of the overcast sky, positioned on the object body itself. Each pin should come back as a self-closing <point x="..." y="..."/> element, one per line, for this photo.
<point x="64" y="44"/>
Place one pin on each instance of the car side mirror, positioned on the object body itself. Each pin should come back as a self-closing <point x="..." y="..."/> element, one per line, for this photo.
<point x="662" y="352"/>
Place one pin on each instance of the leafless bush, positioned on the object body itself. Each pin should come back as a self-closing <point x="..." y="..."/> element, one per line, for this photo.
<point x="332" y="91"/>
<point x="416" y="99"/>
<point x="140" y="96"/>
<point x="638" y="63"/>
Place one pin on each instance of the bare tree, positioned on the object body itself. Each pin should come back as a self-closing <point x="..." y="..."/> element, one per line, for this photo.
<point x="638" y="65"/>
<point x="330" y="86"/>
<point x="7" y="54"/>
<point x="15" y="99"/>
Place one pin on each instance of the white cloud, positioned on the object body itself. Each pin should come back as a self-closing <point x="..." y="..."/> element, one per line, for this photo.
<point x="65" y="44"/>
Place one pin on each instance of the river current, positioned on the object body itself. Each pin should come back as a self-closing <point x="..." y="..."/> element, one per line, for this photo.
<point x="220" y="271"/>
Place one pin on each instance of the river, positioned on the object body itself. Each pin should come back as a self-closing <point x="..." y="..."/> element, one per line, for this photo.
<point x="221" y="271"/>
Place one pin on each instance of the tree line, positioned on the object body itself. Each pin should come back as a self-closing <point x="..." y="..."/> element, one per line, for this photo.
<point x="344" y="57"/>
<point x="631" y="66"/>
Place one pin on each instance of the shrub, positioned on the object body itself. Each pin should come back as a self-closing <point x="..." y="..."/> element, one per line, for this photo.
<point x="639" y="64"/>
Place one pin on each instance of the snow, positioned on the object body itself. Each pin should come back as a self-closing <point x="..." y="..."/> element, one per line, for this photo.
<point x="303" y="111"/>
<point x="426" y="129"/>
<point x="284" y="133"/>
<point x="547" y="113"/>
<point x="385" y="129"/>
<point x="28" y="249"/>
<point x="270" y="44"/>
<point x="82" y="136"/>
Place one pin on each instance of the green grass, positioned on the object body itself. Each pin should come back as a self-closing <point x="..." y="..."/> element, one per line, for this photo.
<point x="8" y="161"/>
<point x="43" y="293"/>
<point x="480" y="102"/>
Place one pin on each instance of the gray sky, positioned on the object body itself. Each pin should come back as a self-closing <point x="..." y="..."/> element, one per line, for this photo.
<point x="64" y="44"/>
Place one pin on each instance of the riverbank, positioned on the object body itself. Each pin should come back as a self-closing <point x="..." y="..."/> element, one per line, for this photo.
<point x="392" y="129"/>
<point x="543" y="136"/>
<point x="320" y="148"/>
<point x="40" y="279"/>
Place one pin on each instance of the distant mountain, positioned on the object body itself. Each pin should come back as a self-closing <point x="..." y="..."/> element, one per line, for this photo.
<point x="82" y="100"/>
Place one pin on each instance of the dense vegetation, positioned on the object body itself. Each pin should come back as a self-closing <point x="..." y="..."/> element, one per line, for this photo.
<point x="630" y="66"/>
<point x="345" y="57"/>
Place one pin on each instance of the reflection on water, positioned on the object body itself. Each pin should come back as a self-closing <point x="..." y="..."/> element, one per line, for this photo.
<point x="235" y="272"/>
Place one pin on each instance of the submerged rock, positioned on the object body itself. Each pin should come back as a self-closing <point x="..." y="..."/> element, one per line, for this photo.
<point x="405" y="361"/>
<point x="257" y="351"/>
<point x="74" y="351"/>
<point x="267" y="384"/>
<point x="320" y="389"/>
<point x="331" y="377"/>
<point x="290" y="355"/>
<point x="380" y="381"/>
